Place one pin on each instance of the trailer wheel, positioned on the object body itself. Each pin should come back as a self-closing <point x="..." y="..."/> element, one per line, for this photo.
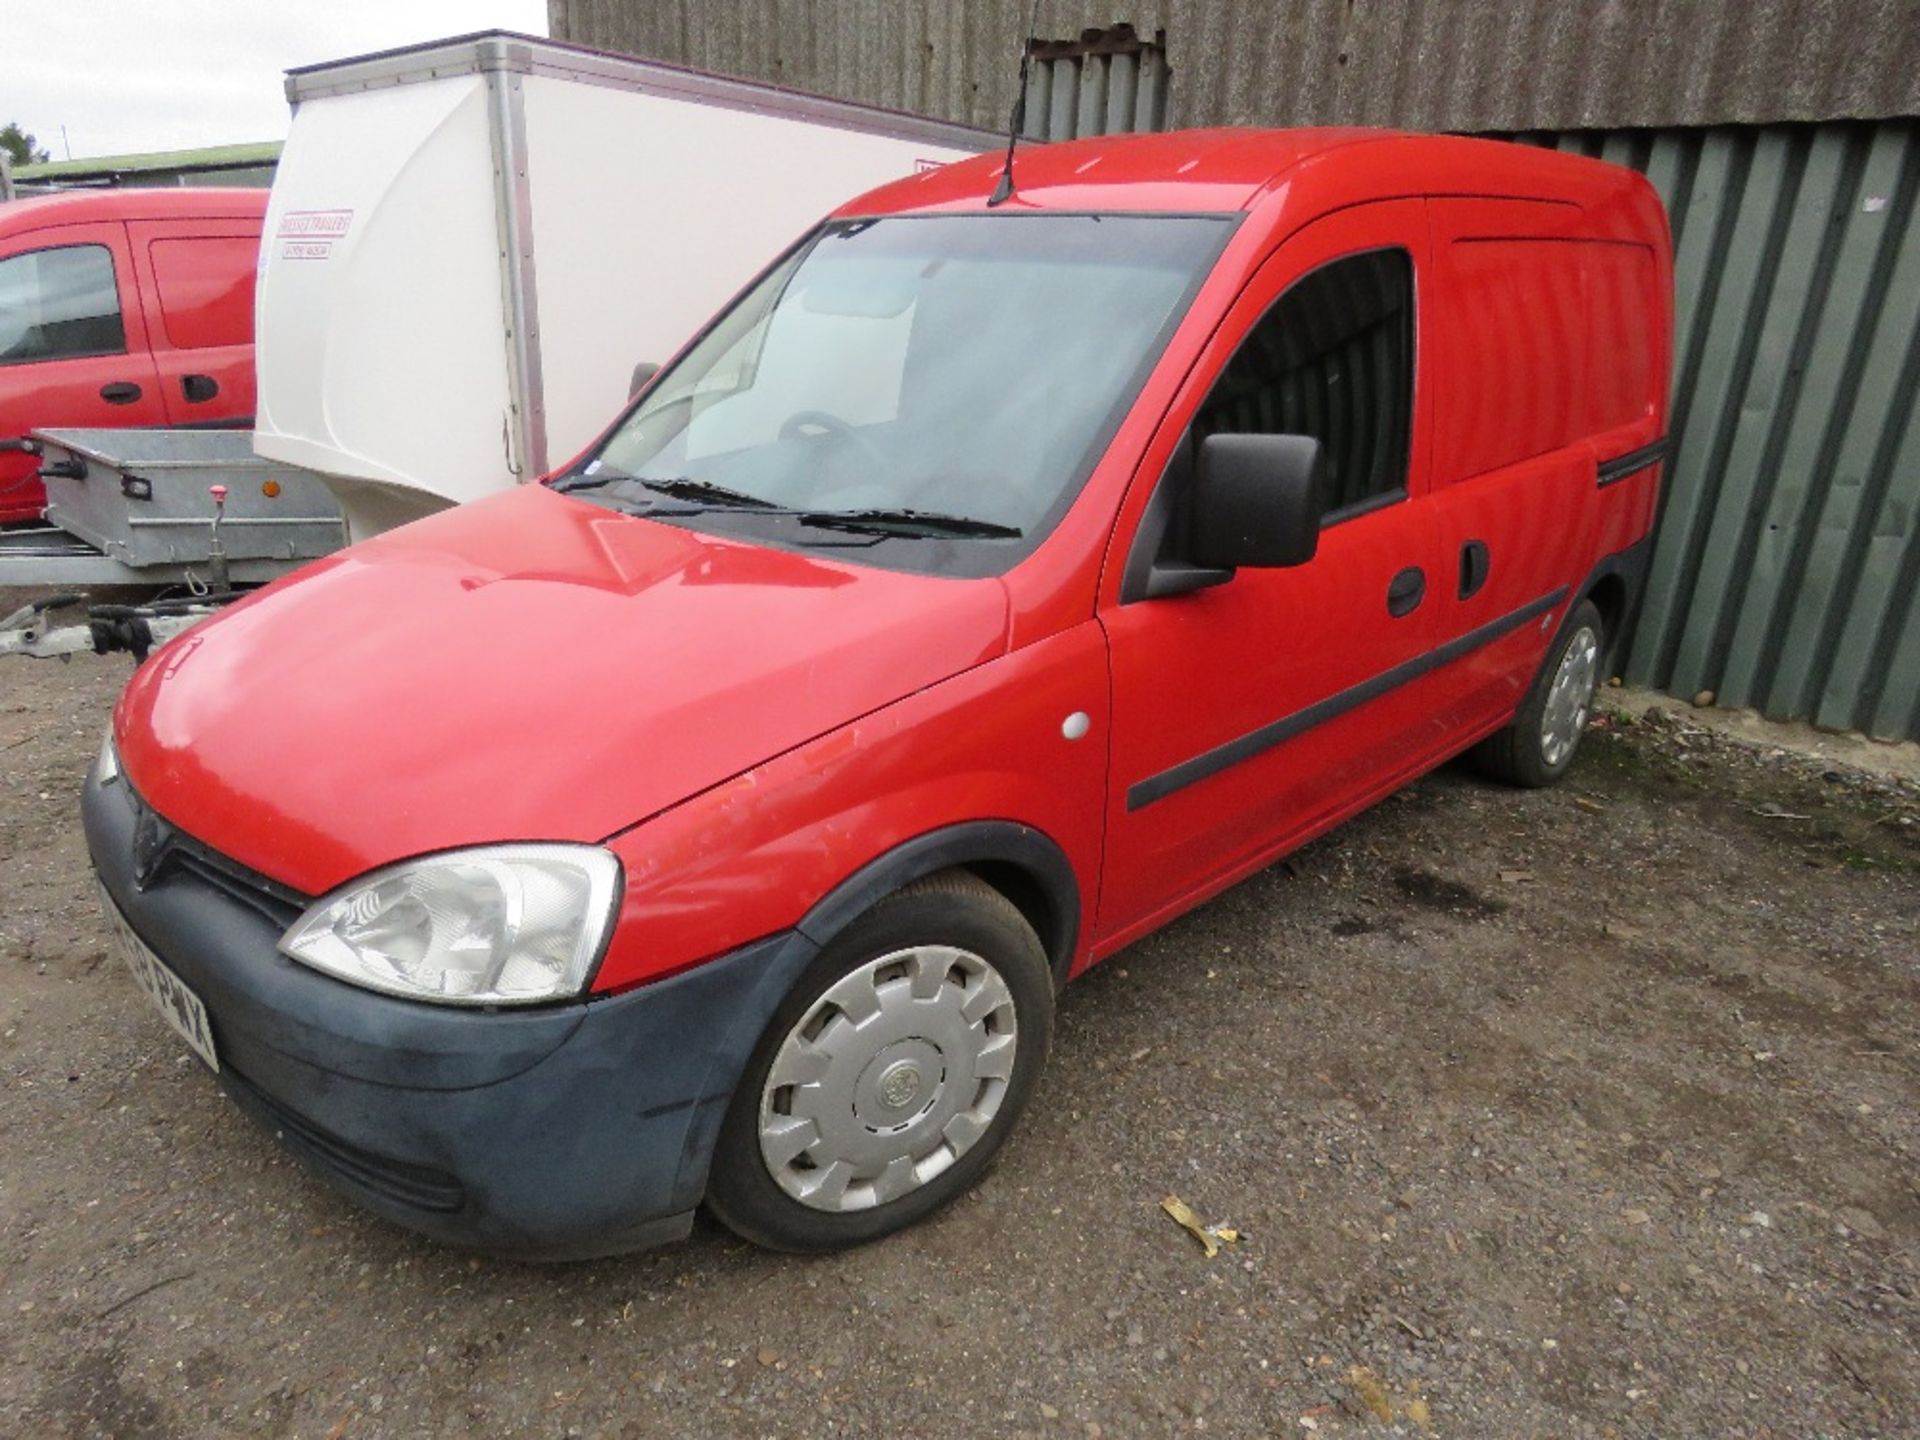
<point x="893" y="1073"/>
<point x="1539" y="746"/>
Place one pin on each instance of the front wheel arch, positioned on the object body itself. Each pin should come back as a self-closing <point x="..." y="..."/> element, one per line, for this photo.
<point x="1022" y="863"/>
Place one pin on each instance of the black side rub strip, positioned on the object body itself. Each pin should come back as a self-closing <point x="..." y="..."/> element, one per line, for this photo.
<point x="1254" y="742"/>
<point x="1634" y="461"/>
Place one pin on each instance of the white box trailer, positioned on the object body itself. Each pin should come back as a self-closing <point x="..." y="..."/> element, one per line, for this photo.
<point x="471" y="244"/>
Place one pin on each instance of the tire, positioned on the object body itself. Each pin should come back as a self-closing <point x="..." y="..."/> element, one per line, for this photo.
<point x="835" y="1137"/>
<point x="1539" y="746"/>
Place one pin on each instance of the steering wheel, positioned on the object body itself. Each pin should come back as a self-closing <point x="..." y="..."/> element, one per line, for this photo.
<point x="796" y="424"/>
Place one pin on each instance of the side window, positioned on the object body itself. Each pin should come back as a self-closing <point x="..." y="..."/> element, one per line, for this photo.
<point x="58" y="304"/>
<point x="1332" y="359"/>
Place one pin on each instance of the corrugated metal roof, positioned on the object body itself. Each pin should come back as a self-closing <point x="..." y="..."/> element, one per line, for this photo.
<point x="1422" y="64"/>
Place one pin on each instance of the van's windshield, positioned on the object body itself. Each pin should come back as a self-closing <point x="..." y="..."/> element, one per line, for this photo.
<point x="965" y="368"/>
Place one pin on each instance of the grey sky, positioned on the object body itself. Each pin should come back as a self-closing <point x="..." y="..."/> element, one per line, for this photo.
<point x="126" y="76"/>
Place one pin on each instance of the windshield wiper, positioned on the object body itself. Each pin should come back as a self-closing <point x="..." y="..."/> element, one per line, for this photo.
<point x="567" y="484"/>
<point x="922" y="523"/>
<point x="704" y="495"/>
<point x="681" y="487"/>
<point x="685" y="487"/>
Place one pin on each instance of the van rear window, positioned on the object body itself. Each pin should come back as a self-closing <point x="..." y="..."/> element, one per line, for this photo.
<point x="206" y="289"/>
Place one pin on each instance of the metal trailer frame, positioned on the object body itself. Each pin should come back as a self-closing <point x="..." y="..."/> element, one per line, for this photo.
<point x="504" y="59"/>
<point x="132" y="507"/>
<point x="44" y="555"/>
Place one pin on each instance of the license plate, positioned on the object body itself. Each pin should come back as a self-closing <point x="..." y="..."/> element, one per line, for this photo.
<point x="180" y="1006"/>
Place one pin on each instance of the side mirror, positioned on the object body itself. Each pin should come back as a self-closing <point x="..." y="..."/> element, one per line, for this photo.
<point x="642" y="373"/>
<point x="1257" y="500"/>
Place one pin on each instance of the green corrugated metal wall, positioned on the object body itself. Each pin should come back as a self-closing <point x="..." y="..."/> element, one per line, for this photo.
<point x="1786" y="575"/>
<point x="1787" y="571"/>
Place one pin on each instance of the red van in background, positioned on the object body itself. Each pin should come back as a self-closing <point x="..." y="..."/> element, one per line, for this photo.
<point x="123" y="308"/>
<point x="996" y="578"/>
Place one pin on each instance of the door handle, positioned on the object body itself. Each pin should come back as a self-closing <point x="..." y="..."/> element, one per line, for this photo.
<point x="1475" y="563"/>
<point x="199" y="388"/>
<point x="120" y="392"/>
<point x="1406" y="591"/>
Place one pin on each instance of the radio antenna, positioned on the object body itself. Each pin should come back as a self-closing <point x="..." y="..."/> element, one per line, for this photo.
<point x="1004" y="190"/>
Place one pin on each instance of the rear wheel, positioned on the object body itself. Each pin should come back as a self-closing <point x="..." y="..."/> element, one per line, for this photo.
<point x="892" y="1075"/>
<point x="1539" y="746"/>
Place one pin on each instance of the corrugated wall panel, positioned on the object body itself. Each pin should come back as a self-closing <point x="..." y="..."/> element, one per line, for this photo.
<point x="1106" y="83"/>
<point x="1787" y="571"/>
<point x="1425" y="64"/>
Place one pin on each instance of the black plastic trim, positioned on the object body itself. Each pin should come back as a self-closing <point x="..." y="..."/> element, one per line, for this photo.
<point x="550" y="1132"/>
<point x="1634" y="461"/>
<point x="417" y="1187"/>
<point x="1156" y="522"/>
<point x="975" y="842"/>
<point x="1365" y="505"/>
<point x="1629" y="567"/>
<point x="1255" y="742"/>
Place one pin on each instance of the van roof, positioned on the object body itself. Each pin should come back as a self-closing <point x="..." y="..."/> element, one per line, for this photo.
<point x="1232" y="169"/>
<point x="80" y="207"/>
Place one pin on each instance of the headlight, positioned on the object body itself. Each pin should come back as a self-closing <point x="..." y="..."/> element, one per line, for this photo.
<point x="106" y="769"/>
<point x="501" y="925"/>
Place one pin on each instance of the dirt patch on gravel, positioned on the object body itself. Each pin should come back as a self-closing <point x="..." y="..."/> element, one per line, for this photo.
<point x="1583" y="1112"/>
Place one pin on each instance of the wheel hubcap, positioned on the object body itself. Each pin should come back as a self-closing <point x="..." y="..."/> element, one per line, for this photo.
<point x="891" y="1076"/>
<point x="1570" y="697"/>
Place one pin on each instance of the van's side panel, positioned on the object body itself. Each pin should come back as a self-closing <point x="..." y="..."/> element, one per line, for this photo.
<point x="1629" y="305"/>
<point x="198" y="280"/>
<point x="1525" y="386"/>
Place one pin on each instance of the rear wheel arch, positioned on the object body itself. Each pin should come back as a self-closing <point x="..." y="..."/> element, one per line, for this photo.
<point x="1021" y="863"/>
<point x="1614" y="586"/>
<point x="1609" y="596"/>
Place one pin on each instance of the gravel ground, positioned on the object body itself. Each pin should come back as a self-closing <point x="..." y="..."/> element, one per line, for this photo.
<point x="1589" y="1112"/>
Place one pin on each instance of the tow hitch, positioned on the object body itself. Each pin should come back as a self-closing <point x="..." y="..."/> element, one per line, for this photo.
<point x="135" y="629"/>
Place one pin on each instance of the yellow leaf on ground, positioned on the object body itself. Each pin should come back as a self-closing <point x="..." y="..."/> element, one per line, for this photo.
<point x="1372" y="1393"/>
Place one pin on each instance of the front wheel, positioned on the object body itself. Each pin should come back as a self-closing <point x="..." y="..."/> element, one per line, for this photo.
<point x="1539" y="746"/>
<point x="891" y="1075"/>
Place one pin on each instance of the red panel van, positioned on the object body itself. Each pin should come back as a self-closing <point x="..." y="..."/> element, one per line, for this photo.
<point x="123" y="308"/>
<point x="985" y="586"/>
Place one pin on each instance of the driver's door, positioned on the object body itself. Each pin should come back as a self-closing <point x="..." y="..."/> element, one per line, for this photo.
<point x="1247" y="714"/>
